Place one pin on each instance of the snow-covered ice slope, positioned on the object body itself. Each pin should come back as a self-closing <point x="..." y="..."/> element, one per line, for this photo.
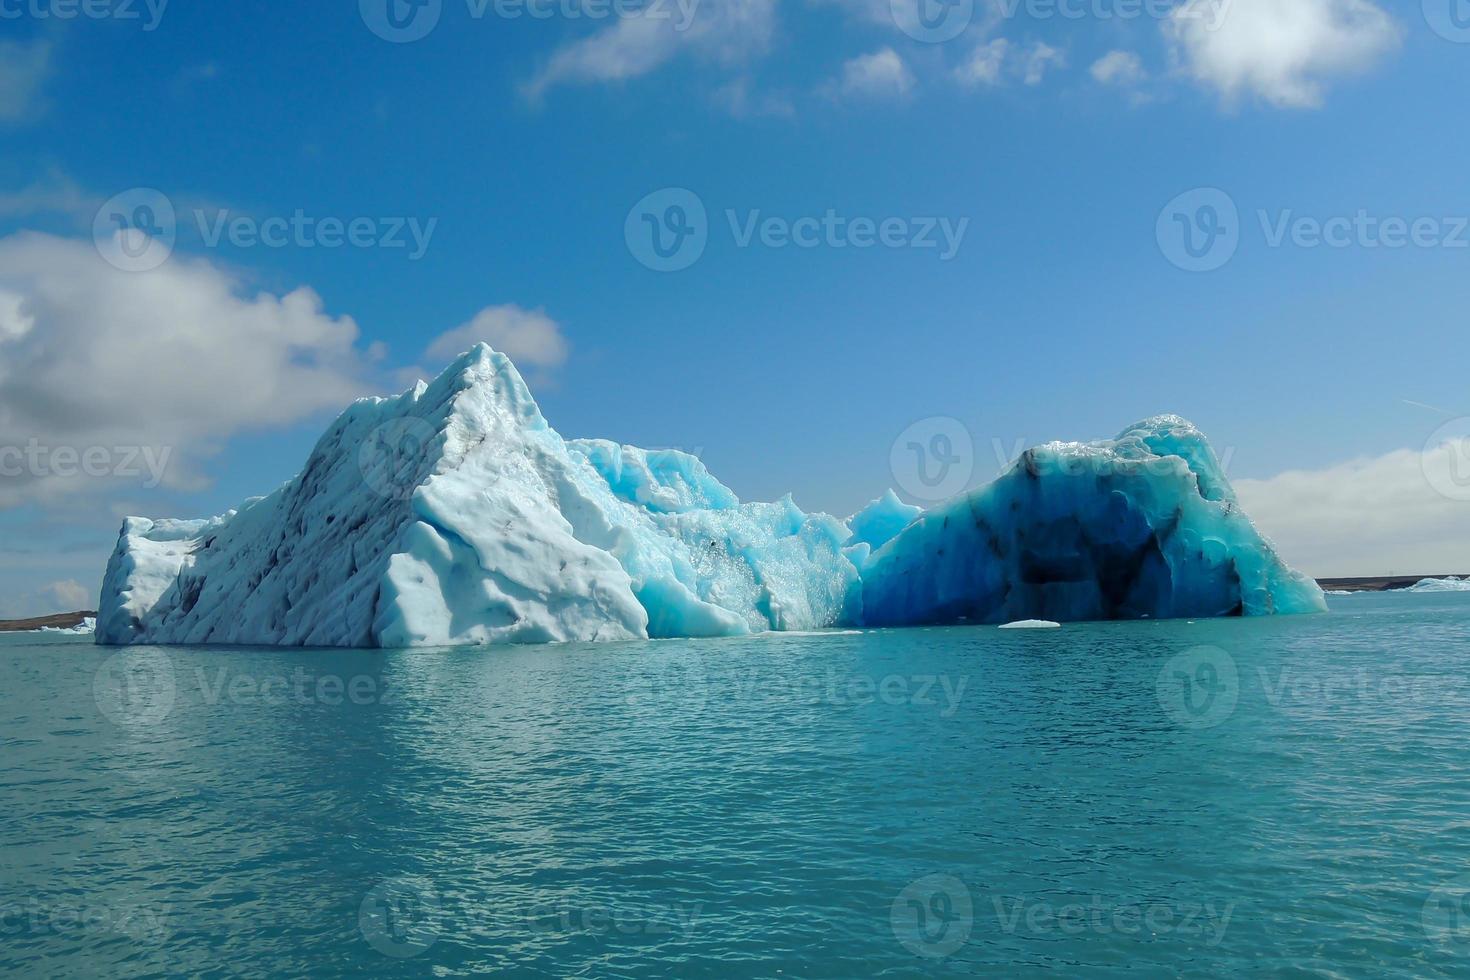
<point x="1143" y="525"/>
<point x="455" y="514"/>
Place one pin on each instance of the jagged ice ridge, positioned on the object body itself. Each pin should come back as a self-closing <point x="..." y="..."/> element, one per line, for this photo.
<point x="454" y="514"/>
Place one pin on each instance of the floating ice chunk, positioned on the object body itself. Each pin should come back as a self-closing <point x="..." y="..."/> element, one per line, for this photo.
<point x="1141" y="526"/>
<point x="1450" y="584"/>
<point x="1032" y="624"/>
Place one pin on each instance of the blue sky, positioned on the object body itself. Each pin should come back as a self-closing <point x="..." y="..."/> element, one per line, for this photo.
<point x="1049" y="140"/>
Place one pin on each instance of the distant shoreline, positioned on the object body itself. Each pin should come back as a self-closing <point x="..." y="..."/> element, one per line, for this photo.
<point x="1380" y="583"/>
<point x="64" y="621"/>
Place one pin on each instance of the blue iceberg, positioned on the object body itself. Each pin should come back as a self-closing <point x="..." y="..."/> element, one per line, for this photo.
<point x="1142" y="526"/>
<point x="454" y="514"/>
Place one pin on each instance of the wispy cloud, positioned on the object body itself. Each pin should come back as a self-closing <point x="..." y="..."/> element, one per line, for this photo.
<point x="881" y="75"/>
<point x="1122" y="68"/>
<point x="24" y="68"/>
<point x="52" y="194"/>
<point x="725" y="31"/>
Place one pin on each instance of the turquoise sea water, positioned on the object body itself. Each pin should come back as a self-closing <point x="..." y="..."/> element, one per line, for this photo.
<point x="1282" y="796"/>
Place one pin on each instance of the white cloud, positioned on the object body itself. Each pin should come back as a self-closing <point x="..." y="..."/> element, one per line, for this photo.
<point x="740" y="100"/>
<point x="1038" y="60"/>
<point x="69" y="595"/>
<point x="20" y="601"/>
<point x="985" y="64"/>
<point x="23" y="69"/>
<point x="1282" y="51"/>
<point x="1373" y="516"/>
<point x="880" y="75"/>
<point x="530" y="338"/>
<point x="1118" y="68"/>
<point x="724" y="30"/>
<point x="176" y="360"/>
<point x="992" y="62"/>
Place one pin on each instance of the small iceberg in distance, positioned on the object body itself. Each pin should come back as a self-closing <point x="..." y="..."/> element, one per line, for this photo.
<point x="87" y="626"/>
<point x="1032" y="624"/>
<point x="1450" y="584"/>
<point x="455" y="514"/>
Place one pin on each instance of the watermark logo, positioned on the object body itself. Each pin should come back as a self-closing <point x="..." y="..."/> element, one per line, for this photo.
<point x="1204" y="920"/>
<point x="607" y="922"/>
<point x="1445" y="917"/>
<point x="932" y="917"/>
<point x="391" y="459"/>
<point x="1199" y="231"/>
<point x="400" y="917"/>
<point x="667" y="231"/>
<point x="668" y="682"/>
<point x="932" y="21"/>
<point x="406" y="21"/>
<point x="1199" y="688"/>
<point x="39" y="461"/>
<point x="933" y="459"/>
<point x="1445" y="459"/>
<point x="944" y="692"/>
<point x="149" y="12"/>
<point x="1450" y="19"/>
<point x="1208" y="13"/>
<point x="1306" y="692"/>
<point x="39" y="917"/>
<point x="401" y="21"/>
<point x="135" y="231"/>
<point x="135" y="688"/>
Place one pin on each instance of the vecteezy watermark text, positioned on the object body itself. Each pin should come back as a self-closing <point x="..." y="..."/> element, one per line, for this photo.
<point x="40" y="460"/>
<point x="1201" y="688"/>
<point x="136" y="231"/>
<point x="1205" y="920"/>
<point x="37" y="917"/>
<point x="403" y="916"/>
<point x="669" y="230"/>
<point x="937" y="21"/>
<point x="149" y="12"/>
<point x="553" y="918"/>
<point x="406" y="21"/>
<point x="136" y="689"/>
<point x="301" y="230"/>
<point x="933" y="916"/>
<point x="1201" y="230"/>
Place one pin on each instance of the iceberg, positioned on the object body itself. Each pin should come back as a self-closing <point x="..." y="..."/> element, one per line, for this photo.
<point x="1450" y="584"/>
<point x="86" y="627"/>
<point x="455" y="514"/>
<point x="1141" y="526"/>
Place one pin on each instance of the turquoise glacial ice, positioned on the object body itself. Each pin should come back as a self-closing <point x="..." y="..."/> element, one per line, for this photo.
<point x="455" y="514"/>
<point x="1145" y="525"/>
